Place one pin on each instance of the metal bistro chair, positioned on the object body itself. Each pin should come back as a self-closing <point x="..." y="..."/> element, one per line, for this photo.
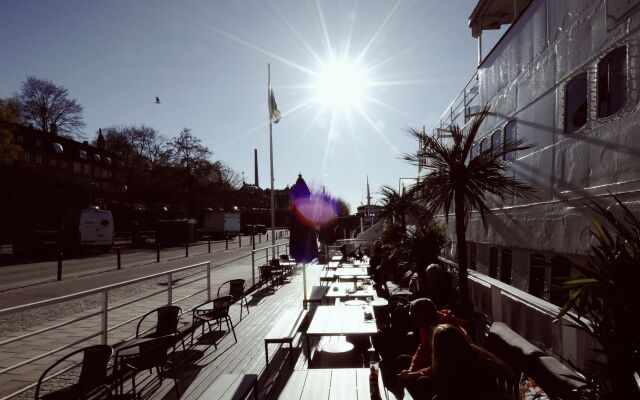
<point x="93" y="375"/>
<point x="214" y="311"/>
<point x="168" y="319"/>
<point x="147" y="354"/>
<point x="235" y="288"/>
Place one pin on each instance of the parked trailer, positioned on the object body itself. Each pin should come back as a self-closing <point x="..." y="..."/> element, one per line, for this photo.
<point x="221" y="224"/>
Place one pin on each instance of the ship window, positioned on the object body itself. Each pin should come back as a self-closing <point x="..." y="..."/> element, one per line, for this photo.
<point x="83" y="155"/>
<point x="485" y="145"/>
<point x="473" y="251"/>
<point x="575" y="104"/>
<point x="52" y="162"/>
<point x="57" y="148"/>
<point x="87" y="169"/>
<point x="493" y="262"/>
<point x="77" y="167"/>
<point x="496" y="140"/>
<point x="27" y="156"/>
<point x="612" y="82"/>
<point x="510" y="136"/>
<point x="537" y="265"/>
<point x="560" y="270"/>
<point x="38" y="159"/>
<point x="505" y="266"/>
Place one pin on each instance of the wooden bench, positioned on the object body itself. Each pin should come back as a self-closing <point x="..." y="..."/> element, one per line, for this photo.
<point x="231" y="387"/>
<point x="284" y="331"/>
<point x="317" y="294"/>
<point x="327" y="277"/>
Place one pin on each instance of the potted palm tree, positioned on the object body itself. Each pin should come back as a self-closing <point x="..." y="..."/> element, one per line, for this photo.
<point x="604" y="301"/>
<point x="456" y="179"/>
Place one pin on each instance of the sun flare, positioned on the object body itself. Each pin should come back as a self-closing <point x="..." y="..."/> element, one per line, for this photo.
<point x="341" y="85"/>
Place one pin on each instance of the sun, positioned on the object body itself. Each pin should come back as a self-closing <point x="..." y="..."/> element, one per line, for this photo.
<point x="340" y="85"/>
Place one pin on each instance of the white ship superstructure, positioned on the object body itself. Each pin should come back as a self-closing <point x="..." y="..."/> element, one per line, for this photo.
<point x="564" y="76"/>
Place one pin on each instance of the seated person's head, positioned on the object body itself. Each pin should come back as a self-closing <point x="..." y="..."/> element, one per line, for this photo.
<point x="423" y="312"/>
<point x="434" y="274"/>
<point x="450" y="349"/>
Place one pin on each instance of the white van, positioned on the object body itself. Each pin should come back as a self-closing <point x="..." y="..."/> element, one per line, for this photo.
<point x="89" y="228"/>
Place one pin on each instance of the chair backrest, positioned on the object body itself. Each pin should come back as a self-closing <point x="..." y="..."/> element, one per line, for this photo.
<point x="274" y="262"/>
<point x="284" y="257"/>
<point x="234" y="287"/>
<point x="168" y="317"/>
<point x="94" y="367"/>
<point x="221" y="305"/>
<point x="153" y="353"/>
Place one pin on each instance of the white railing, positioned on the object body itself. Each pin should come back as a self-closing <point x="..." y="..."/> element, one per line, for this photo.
<point x="203" y="269"/>
<point x="529" y="316"/>
<point x="463" y="107"/>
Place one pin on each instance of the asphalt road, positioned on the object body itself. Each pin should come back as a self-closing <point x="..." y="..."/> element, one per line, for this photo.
<point x="22" y="276"/>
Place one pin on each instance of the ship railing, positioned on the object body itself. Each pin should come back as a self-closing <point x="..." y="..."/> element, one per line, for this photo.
<point x="461" y="109"/>
<point x="530" y="316"/>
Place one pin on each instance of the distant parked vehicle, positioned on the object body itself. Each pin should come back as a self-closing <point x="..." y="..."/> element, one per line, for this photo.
<point x="221" y="224"/>
<point x="255" y="229"/>
<point x="176" y="231"/>
<point x="88" y="229"/>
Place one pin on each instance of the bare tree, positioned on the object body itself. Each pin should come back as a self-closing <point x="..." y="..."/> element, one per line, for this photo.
<point x="47" y="106"/>
<point x="188" y="152"/>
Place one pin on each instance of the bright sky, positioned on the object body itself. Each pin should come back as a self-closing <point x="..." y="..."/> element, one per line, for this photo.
<point x="348" y="76"/>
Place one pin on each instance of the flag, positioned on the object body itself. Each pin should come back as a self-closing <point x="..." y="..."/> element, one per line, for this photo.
<point x="273" y="107"/>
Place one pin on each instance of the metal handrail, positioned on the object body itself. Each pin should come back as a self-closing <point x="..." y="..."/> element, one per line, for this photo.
<point x="104" y="309"/>
<point x="275" y="252"/>
<point x="73" y="296"/>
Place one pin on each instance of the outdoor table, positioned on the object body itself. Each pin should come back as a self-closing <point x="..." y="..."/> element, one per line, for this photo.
<point x="352" y="271"/>
<point x="325" y="384"/>
<point x="338" y="321"/>
<point x="339" y="290"/>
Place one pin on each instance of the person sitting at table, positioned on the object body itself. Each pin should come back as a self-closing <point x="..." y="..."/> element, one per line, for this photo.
<point x="439" y="287"/>
<point x="416" y="370"/>
<point x="461" y="370"/>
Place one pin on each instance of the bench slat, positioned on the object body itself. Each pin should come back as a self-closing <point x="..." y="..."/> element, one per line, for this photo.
<point x="286" y="326"/>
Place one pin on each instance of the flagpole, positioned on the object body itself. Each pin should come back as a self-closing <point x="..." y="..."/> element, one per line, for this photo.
<point x="273" y="210"/>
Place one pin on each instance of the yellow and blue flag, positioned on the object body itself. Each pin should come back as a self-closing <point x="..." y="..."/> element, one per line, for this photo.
<point x="274" y="113"/>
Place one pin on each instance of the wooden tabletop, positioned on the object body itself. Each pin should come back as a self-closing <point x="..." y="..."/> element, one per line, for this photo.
<point x="330" y="384"/>
<point x="353" y="271"/>
<point x="338" y="290"/>
<point x="341" y="320"/>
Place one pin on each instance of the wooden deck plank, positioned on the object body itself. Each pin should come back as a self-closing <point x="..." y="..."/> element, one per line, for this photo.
<point x="317" y="385"/>
<point x="342" y="381"/>
<point x="246" y="356"/>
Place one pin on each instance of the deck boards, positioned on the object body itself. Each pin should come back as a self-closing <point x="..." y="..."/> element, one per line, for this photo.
<point x="202" y="364"/>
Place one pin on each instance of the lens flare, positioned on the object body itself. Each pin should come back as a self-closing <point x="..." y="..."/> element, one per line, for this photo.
<point x="314" y="211"/>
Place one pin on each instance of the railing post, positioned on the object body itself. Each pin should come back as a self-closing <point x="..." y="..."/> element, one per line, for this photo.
<point x="226" y="243"/>
<point x="118" y="254"/>
<point x="60" y="265"/>
<point x="253" y="268"/>
<point x="105" y="316"/>
<point x="253" y="241"/>
<point x="239" y="241"/>
<point x="186" y="249"/>
<point x="157" y="252"/>
<point x="208" y="281"/>
<point x="209" y="244"/>
<point x="169" y="288"/>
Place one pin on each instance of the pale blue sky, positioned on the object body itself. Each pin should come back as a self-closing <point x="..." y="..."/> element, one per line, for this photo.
<point x="207" y="61"/>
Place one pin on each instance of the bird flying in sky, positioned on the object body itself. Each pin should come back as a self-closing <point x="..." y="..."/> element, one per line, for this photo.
<point x="157" y="100"/>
